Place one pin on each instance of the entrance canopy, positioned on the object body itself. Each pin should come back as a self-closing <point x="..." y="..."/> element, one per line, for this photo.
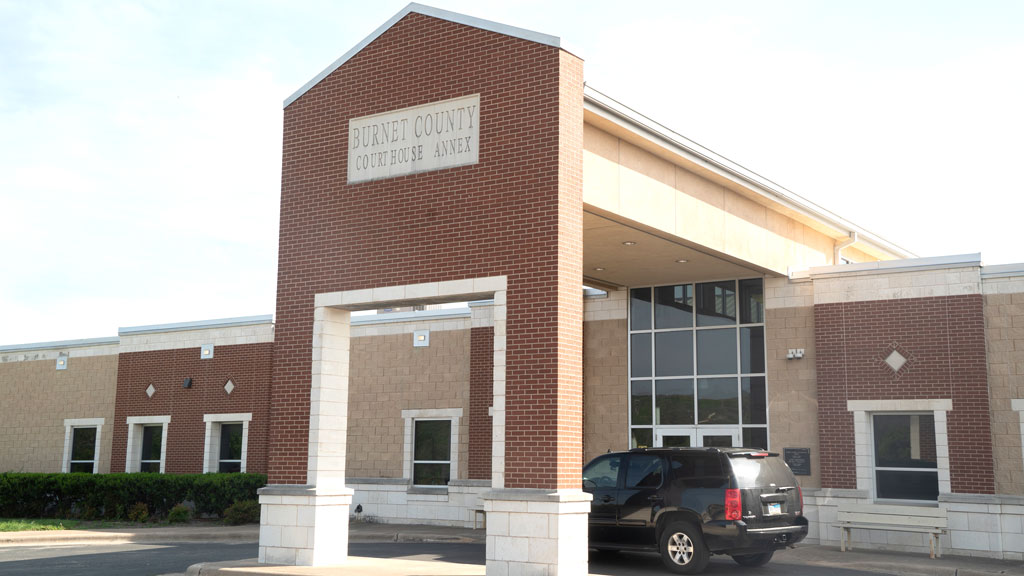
<point x="645" y="184"/>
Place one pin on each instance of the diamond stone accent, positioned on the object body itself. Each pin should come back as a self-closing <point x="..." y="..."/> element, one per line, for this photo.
<point x="229" y="387"/>
<point x="895" y="360"/>
<point x="150" y="391"/>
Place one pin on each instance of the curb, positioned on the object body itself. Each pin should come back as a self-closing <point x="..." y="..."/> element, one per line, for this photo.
<point x="247" y="535"/>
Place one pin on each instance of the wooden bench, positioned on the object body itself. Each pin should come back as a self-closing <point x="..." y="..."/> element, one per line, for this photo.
<point x="922" y="519"/>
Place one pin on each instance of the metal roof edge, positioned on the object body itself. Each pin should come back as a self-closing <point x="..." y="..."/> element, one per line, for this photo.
<point x="908" y="264"/>
<point x="196" y="325"/>
<point x="455" y="17"/>
<point x="602" y="103"/>
<point x="80" y="343"/>
<point x="1003" y="270"/>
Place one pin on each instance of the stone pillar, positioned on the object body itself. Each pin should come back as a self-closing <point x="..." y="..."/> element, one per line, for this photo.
<point x="307" y="525"/>
<point x="303" y="525"/>
<point x="537" y="532"/>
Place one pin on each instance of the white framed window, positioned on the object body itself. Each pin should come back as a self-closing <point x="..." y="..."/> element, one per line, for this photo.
<point x="227" y="442"/>
<point x="902" y="448"/>
<point x="82" y="445"/>
<point x="905" y="459"/>
<point x="147" y="443"/>
<point x="431" y="446"/>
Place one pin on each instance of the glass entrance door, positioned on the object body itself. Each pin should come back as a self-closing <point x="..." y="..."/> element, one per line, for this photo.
<point x="668" y="438"/>
<point x="711" y="436"/>
<point x="718" y="437"/>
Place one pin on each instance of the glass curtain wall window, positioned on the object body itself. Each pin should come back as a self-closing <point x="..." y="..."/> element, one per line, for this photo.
<point x="152" y="438"/>
<point x="83" y="450"/>
<point x="230" y="448"/>
<point x="906" y="463"/>
<point x="432" y="452"/>
<point x="697" y="365"/>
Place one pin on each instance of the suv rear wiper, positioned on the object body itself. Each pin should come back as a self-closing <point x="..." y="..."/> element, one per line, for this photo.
<point x="752" y="454"/>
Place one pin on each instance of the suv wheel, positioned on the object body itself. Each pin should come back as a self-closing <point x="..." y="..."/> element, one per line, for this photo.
<point x="682" y="548"/>
<point x="753" y="559"/>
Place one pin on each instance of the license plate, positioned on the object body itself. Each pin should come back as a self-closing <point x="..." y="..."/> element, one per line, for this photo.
<point x="774" y="508"/>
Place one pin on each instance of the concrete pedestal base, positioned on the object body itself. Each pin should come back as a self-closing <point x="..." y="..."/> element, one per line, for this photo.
<point x="303" y="525"/>
<point x="536" y="532"/>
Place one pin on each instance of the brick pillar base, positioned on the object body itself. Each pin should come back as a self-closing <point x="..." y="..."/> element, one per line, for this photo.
<point x="536" y="532"/>
<point x="303" y="526"/>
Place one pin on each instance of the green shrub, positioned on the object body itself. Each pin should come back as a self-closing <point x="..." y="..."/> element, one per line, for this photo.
<point x="243" y="512"/>
<point x="179" y="514"/>
<point x="139" y="512"/>
<point x="24" y="495"/>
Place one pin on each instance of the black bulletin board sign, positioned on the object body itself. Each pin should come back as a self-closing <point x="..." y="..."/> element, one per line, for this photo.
<point x="799" y="460"/>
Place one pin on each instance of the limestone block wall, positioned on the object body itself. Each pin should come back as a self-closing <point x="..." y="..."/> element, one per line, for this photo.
<point x="389" y="375"/>
<point x="38" y="398"/>
<point x="605" y="366"/>
<point x="980" y="525"/>
<point x="792" y="383"/>
<point x="1004" y="338"/>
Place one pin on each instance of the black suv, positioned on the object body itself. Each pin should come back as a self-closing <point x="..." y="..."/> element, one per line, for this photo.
<point x="690" y="503"/>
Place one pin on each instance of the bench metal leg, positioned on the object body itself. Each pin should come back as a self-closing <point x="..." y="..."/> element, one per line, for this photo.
<point x="931" y="546"/>
<point x="844" y="537"/>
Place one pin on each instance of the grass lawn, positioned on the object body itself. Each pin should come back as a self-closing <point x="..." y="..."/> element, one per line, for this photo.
<point x="25" y="524"/>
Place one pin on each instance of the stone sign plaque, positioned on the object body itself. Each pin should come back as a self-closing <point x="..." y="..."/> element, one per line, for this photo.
<point x="799" y="460"/>
<point x="418" y="139"/>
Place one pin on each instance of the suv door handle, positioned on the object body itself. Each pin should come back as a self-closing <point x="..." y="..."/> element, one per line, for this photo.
<point x="655" y="498"/>
<point x="606" y="498"/>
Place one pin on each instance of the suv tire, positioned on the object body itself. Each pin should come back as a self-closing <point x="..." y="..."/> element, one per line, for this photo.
<point x="753" y="559"/>
<point x="682" y="548"/>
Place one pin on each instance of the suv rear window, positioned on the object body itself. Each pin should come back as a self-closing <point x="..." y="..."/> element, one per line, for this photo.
<point x="697" y="464"/>
<point x="754" y="471"/>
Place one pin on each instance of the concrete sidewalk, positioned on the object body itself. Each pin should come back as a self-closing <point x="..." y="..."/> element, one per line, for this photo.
<point x="906" y="564"/>
<point x="893" y="563"/>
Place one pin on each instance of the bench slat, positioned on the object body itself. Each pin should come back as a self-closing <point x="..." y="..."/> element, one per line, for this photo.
<point x="863" y="526"/>
<point x="925" y="511"/>
<point x="891" y="519"/>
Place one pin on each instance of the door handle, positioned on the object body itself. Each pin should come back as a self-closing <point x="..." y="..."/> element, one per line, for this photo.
<point x="606" y="498"/>
<point x="655" y="499"/>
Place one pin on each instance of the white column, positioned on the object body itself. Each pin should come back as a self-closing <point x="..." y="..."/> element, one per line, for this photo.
<point x="498" y="400"/>
<point x="308" y="525"/>
<point x="542" y="532"/>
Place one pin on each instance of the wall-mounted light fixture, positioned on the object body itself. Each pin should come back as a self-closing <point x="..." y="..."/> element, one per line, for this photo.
<point x="207" y="352"/>
<point x="187" y="383"/>
<point x="421" y="339"/>
<point x="795" y="354"/>
<point x="62" y="361"/>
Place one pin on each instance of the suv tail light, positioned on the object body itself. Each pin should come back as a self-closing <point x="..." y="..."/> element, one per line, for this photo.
<point x="732" y="504"/>
<point x="800" y="491"/>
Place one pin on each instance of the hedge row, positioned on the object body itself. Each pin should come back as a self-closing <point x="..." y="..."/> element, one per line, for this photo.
<point x="111" y="496"/>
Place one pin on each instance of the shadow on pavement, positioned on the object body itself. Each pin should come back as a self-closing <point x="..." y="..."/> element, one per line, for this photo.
<point x="124" y="559"/>
<point x="445" y="552"/>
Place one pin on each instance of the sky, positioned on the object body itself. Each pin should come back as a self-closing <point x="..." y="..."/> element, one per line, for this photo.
<point x="140" y="142"/>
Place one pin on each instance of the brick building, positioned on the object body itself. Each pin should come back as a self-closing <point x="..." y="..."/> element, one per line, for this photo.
<point x="450" y="160"/>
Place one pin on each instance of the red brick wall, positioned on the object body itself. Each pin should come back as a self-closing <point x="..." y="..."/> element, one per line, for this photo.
<point x="481" y="397"/>
<point x="248" y="366"/>
<point x="945" y="337"/>
<point x="518" y="213"/>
